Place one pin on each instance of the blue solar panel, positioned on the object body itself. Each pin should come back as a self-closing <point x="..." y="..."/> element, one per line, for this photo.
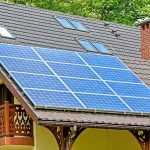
<point x="21" y="65"/>
<point x="53" y="99"/>
<point x="88" y="86"/>
<point x="17" y="51"/>
<point x="127" y="89"/>
<point x="116" y="75"/>
<point x="103" y="61"/>
<point x="101" y="102"/>
<point x="81" y="87"/>
<point x="72" y="70"/>
<point x="59" y="56"/>
<point x="138" y="104"/>
<point x="38" y="81"/>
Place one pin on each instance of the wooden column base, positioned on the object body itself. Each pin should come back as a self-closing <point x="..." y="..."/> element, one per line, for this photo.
<point x="28" y="141"/>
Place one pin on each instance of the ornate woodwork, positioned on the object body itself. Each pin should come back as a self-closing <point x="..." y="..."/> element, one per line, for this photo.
<point x="15" y="125"/>
<point x="65" y="136"/>
<point x="143" y="138"/>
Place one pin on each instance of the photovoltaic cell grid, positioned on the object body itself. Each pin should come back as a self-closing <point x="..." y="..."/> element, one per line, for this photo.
<point x="74" y="80"/>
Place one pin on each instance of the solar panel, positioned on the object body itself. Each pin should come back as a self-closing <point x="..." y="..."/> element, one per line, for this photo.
<point x="17" y="51"/>
<point x="22" y="65"/>
<point x="87" y="86"/>
<point x="38" y="81"/>
<point x="138" y="104"/>
<point x="53" y="99"/>
<point x="102" y="102"/>
<point x="72" y="70"/>
<point x="116" y="75"/>
<point x="59" y="56"/>
<point x="102" y="60"/>
<point x="128" y="89"/>
<point x="74" y="80"/>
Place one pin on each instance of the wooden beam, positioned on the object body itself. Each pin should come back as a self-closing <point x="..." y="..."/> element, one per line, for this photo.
<point x="143" y="137"/>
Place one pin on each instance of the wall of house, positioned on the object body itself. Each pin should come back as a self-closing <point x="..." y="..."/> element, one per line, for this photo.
<point x="103" y="139"/>
<point x="44" y="139"/>
<point x="95" y="139"/>
<point x="15" y="147"/>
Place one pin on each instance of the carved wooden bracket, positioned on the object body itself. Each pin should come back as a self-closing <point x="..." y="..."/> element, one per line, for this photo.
<point x="65" y="136"/>
<point x="143" y="138"/>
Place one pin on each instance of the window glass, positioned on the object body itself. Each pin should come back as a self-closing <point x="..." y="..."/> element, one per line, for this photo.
<point x="100" y="47"/>
<point x="87" y="45"/>
<point x="5" y="33"/>
<point x="65" y="23"/>
<point x="78" y="25"/>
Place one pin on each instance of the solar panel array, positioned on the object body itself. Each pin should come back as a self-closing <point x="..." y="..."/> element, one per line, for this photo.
<point x="74" y="80"/>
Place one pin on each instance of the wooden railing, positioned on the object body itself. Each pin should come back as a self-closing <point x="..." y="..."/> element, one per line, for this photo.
<point x="14" y="121"/>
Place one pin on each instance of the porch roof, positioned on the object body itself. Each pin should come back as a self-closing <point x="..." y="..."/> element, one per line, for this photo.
<point x="84" y="119"/>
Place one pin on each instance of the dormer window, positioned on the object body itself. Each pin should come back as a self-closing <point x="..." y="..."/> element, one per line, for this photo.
<point x="71" y="24"/>
<point x="5" y="33"/>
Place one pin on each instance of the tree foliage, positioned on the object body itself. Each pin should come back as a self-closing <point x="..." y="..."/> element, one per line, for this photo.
<point x="119" y="11"/>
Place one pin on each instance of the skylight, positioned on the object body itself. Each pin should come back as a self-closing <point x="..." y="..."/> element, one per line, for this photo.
<point x="5" y="33"/>
<point x="100" y="47"/>
<point x="71" y="24"/>
<point x="65" y="23"/>
<point x="78" y="25"/>
<point x="93" y="46"/>
<point x="87" y="45"/>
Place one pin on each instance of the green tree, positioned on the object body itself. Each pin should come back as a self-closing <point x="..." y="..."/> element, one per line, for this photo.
<point x="119" y="11"/>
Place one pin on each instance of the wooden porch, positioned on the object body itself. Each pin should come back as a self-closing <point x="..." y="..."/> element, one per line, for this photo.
<point x="16" y="127"/>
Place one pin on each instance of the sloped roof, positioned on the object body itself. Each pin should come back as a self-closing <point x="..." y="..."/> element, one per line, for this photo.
<point x="37" y="27"/>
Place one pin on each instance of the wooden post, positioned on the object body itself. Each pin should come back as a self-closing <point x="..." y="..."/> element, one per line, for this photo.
<point x="65" y="136"/>
<point x="6" y="114"/>
<point x="143" y="138"/>
<point x="147" y="142"/>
